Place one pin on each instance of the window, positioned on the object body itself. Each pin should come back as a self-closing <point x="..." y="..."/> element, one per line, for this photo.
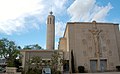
<point x="50" y="20"/>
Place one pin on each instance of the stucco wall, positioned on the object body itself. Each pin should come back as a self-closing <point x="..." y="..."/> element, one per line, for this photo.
<point x="81" y="41"/>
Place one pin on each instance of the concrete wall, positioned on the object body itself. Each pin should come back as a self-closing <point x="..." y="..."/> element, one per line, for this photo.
<point x="63" y="44"/>
<point x="117" y="37"/>
<point x="28" y="54"/>
<point x="44" y="54"/>
<point x="81" y="41"/>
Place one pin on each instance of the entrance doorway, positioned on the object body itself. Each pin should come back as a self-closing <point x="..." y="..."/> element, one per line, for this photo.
<point x="66" y="66"/>
<point x="103" y="65"/>
<point x="93" y="65"/>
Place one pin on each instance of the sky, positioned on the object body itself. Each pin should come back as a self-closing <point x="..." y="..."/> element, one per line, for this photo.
<point x="24" y="21"/>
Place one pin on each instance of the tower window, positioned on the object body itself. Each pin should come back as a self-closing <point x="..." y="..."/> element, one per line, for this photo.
<point x="50" y="20"/>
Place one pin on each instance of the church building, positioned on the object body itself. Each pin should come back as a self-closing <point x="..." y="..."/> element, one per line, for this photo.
<point x="93" y="45"/>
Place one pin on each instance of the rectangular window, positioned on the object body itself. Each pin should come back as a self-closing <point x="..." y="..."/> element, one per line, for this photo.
<point x="50" y="20"/>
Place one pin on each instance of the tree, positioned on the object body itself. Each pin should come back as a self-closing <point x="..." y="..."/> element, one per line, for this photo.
<point x="56" y="62"/>
<point x="9" y="50"/>
<point x="37" y="62"/>
<point x="32" y="47"/>
<point x="34" y="65"/>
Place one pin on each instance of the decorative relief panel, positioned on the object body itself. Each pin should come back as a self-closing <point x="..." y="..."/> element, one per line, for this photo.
<point x="108" y="41"/>
<point x="84" y="41"/>
<point x="95" y="55"/>
<point x="85" y="64"/>
<point x="100" y="54"/>
<point x="84" y="53"/>
<point x="104" y="49"/>
<point x="89" y="36"/>
<point x="110" y="53"/>
<point x="83" y="30"/>
<point x="111" y="64"/>
<point x="102" y="36"/>
<point x="90" y="49"/>
<point x="107" y="31"/>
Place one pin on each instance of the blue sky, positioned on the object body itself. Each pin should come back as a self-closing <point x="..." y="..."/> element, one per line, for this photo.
<point x="24" y="21"/>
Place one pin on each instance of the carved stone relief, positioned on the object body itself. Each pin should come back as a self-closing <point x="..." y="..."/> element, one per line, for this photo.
<point x="95" y="54"/>
<point x="107" y="31"/>
<point x="100" y="54"/>
<point x="83" y="30"/>
<point x="89" y="36"/>
<point x="110" y="53"/>
<point x="104" y="49"/>
<point x="102" y="36"/>
<point x="108" y="41"/>
<point x="85" y="64"/>
<point x="84" y="53"/>
<point x="111" y="64"/>
<point x="90" y="48"/>
<point x="84" y="41"/>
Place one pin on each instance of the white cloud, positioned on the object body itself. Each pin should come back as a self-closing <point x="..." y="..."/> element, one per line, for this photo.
<point x="10" y="9"/>
<point x="102" y="12"/>
<point x="19" y="15"/>
<point x="59" y="28"/>
<point x="87" y="10"/>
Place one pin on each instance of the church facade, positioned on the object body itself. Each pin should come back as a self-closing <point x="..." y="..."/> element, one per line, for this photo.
<point x="93" y="45"/>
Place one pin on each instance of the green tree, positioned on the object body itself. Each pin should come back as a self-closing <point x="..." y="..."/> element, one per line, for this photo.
<point x="56" y="62"/>
<point x="32" y="47"/>
<point x="9" y="50"/>
<point x="34" y="65"/>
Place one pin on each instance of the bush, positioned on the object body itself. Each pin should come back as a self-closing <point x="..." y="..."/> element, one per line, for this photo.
<point x="10" y="64"/>
<point x="58" y="72"/>
<point x="20" y="69"/>
<point x="34" y="71"/>
<point x="118" y="68"/>
<point x="81" y="69"/>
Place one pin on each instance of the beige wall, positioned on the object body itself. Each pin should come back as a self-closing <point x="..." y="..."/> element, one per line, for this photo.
<point x="118" y="37"/>
<point x="80" y="40"/>
<point x="28" y="54"/>
<point x="44" y="54"/>
<point x="62" y="44"/>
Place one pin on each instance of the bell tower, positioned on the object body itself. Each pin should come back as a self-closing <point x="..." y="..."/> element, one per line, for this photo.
<point x="50" y="31"/>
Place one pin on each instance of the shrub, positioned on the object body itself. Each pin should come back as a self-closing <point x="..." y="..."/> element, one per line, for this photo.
<point x="81" y="69"/>
<point x="118" y="68"/>
<point x="58" y="72"/>
<point x="34" y="71"/>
